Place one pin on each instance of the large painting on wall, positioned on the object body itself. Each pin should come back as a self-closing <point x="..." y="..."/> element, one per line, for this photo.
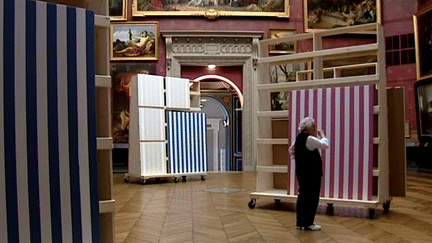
<point x="423" y="43"/>
<point x="211" y="8"/>
<point x="134" y="41"/>
<point x="121" y="83"/>
<point x="423" y="90"/>
<point x="329" y="14"/>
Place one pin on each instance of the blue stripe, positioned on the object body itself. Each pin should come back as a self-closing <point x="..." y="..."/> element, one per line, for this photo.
<point x="32" y="138"/>
<point x="53" y="141"/>
<point x="72" y="88"/>
<point x="187" y="141"/>
<point x="91" y="119"/>
<point x="9" y="120"/>
<point x="204" y="138"/>
<point x="178" y="140"/>
<point x="193" y="142"/>
<point x="183" y="144"/>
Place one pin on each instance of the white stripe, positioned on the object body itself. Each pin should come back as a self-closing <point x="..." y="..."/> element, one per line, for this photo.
<point x="356" y="141"/>
<point x="195" y="164"/>
<point x="302" y="104"/>
<point x="328" y="131"/>
<point x="20" y="121"/>
<point x="183" y="142"/>
<point x="84" y="171"/>
<point x="337" y="148"/>
<point x="3" y="218"/>
<point x="293" y="137"/>
<point x="311" y="104"/>
<point x="175" y="159"/>
<point x="63" y="124"/>
<point x="187" y="140"/>
<point x="366" y="142"/>
<point x="346" y="144"/>
<point x="170" y="144"/>
<point x="42" y="121"/>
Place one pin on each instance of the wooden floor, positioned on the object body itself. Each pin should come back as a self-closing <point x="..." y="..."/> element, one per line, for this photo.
<point x="216" y="210"/>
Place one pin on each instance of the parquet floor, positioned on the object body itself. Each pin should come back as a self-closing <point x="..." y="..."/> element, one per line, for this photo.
<point x="216" y="210"/>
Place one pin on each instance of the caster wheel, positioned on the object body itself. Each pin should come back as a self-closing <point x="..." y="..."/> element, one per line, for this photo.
<point x="126" y="179"/>
<point x="371" y="213"/>
<point x="330" y="209"/>
<point x="386" y="206"/>
<point x="203" y="178"/>
<point x="277" y="201"/>
<point x="176" y="179"/>
<point x="143" y="181"/>
<point x="252" y="203"/>
<point x="184" y="178"/>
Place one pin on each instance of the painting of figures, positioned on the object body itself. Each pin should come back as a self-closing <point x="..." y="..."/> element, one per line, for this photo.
<point x="211" y="8"/>
<point x="134" y="41"/>
<point x="328" y="14"/>
<point x="121" y="82"/>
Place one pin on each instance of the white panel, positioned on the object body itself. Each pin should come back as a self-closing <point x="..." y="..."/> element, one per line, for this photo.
<point x="177" y="93"/>
<point x="150" y="90"/>
<point x="153" y="158"/>
<point x="151" y="124"/>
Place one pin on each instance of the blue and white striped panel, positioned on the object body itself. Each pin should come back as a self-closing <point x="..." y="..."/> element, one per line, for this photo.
<point x="187" y="142"/>
<point x="48" y="164"/>
<point x="153" y="158"/>
<point x="177" y="93"/>
<point x="150" y="91"/>
<point x="151" y="124"/>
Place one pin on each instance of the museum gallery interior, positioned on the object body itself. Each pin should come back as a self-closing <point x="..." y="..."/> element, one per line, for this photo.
<point x="171" y="120"/>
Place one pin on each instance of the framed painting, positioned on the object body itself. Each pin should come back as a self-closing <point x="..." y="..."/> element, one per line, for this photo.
<point x="282" y="74"/>
<point x="321" y="15"/>
<point x="285" y="47"/>
<point x="423" y="91"/>
<point x="117" y="10"/>
<point x="121" y="82"/>
<point x="423" y="43"/>
<point x="134" y="41"/>
<point x="211" y="9"/>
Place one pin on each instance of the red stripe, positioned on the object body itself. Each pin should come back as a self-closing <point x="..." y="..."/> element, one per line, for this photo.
<point x="351" y="142"/>
<point x="361" y="142"/>
<point x="371" y="125"/>
<point x="341" y="142"/>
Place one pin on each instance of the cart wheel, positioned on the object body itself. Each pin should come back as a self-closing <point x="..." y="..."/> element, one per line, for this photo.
<point x="203" y="178"/>
<point x="371" y="213"/>
<point x="126" y="179"/>
<point x="158" y="179"/>
<point x="330" y="209"/>
<point x="277" y="201"/>
<point x="143" y="181"/>
<point x="176" y="179"/>
<point x="184" y="178"/>
<point x="386" y="206"/>
<point x="252" y="203"/>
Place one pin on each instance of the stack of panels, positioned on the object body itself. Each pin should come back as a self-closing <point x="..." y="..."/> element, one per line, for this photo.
<point x="187" y="142"/>
<point x="48" y="165"/>
<point x="346" y="116"/>
<point x="151" y="116"/>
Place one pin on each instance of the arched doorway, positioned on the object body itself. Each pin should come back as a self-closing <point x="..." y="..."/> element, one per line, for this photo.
<point x="222" y="101"/>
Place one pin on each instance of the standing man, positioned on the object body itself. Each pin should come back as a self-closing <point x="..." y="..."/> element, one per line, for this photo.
<point x="304" y="151"/>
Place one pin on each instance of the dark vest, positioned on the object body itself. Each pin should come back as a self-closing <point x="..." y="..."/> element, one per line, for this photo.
<point x="308" y="163"/>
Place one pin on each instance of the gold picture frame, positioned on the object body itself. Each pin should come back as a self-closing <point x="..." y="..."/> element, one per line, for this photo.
<point x="323" y="15"/>
<point x="423" y="43"/>
<point x="117" y="10"/>
<point x="134" y="41"/>
<point x="288" y="47"/>
<point x="211" y="9"/>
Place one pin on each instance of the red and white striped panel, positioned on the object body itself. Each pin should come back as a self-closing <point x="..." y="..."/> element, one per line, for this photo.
<point x="346" y="116"/>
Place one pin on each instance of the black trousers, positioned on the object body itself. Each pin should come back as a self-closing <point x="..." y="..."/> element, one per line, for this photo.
<point x="307" y="200"/>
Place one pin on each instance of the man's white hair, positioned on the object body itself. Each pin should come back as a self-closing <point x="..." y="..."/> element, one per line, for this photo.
<point x="305" y="123"/>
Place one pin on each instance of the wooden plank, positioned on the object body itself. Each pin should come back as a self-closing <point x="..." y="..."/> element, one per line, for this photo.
<point x="273" y="168"/>
<point x="105" y="143"/>
<point x="107" y="206"/>
<point x="397" y="148"/>
<point x="103" y="81"/>
<point x="322" y="83"/>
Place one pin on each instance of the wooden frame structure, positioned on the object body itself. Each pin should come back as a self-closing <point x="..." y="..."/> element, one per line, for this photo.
<point x="270" y="172"/>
